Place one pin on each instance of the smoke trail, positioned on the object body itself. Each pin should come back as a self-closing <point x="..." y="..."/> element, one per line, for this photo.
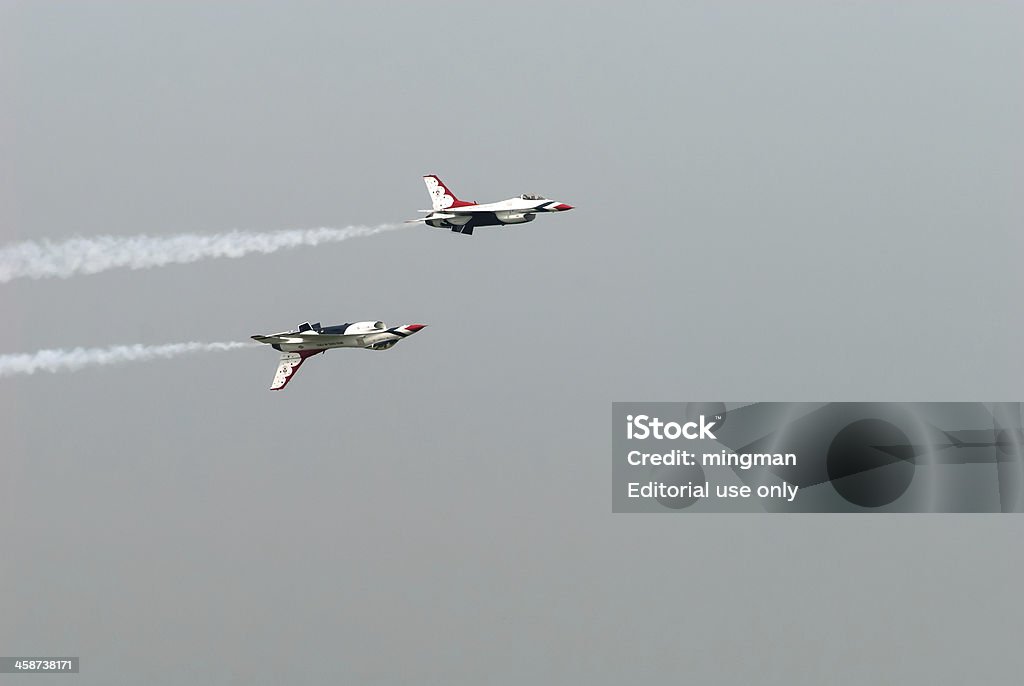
<point x="72" y="360"/>
<point x="41" y="259"/>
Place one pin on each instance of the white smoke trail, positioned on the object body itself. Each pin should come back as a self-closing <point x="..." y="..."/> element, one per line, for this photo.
<point x="41" y="259"/>
<point x="72" y="360"/>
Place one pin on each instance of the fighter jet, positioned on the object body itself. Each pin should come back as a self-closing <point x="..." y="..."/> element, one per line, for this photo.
<point x="313" y="339"/>
<point x="463" y="216"/>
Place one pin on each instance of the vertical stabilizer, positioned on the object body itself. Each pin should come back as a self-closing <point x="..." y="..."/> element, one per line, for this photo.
<point x="441" y="197"/>
<point x="288" y="365"/>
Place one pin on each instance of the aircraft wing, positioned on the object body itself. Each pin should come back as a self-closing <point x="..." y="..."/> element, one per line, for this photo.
<point x="439" y="215"/>
<point x="319" y="338"/>
<point x="280" y="338"/>
<point x="287" y="367"/>
<point x="335" y="338"/>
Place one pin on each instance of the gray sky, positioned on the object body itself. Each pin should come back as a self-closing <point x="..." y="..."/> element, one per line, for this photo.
<point x="775" y="201"/>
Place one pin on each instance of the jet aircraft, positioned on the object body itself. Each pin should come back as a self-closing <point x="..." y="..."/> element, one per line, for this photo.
<point x="313" y="339"/>
<point x="463" y="216"/>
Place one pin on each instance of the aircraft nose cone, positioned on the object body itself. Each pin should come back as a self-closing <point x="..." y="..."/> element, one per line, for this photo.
<point x="562" y="207"/>
<point x="415" y="327"/>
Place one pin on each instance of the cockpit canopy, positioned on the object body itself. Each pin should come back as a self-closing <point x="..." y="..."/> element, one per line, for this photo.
<point x="352" y="328"/>
<point x="531" y="196"/>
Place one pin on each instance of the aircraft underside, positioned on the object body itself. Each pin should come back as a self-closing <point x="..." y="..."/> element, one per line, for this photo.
<point x="465" y="225"/>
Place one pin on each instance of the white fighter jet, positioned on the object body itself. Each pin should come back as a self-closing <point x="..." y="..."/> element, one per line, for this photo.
<point x="313" y="339"/>
<point x="463" y="216"/>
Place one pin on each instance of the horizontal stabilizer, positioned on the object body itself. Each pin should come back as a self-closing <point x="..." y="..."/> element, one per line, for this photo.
<point x="276" y="339"/>
<point x="433" y="216"/>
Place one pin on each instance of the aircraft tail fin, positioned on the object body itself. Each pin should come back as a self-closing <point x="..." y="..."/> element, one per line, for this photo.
<point x="288" y="365"/>
<point x="440" y="196"/>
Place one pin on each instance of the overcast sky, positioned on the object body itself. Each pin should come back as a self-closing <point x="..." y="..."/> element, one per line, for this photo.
<point x="774" y="201"/>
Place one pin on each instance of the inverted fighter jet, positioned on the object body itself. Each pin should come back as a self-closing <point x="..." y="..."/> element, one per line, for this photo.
<point x="463" y="216"/>
<point x="313" y="339"/>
